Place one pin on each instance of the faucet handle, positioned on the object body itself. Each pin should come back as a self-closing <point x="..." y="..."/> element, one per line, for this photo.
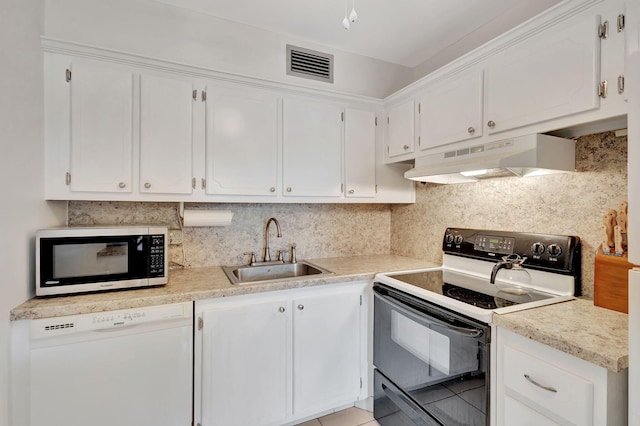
<point x="252" y="259"/>
<point x="292" y="257"/>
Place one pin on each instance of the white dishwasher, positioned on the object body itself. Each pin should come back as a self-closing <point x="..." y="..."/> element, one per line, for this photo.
<point x="125" y="368"/>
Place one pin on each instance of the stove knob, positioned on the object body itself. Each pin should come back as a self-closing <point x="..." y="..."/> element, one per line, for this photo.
<point x="555" y="250"/>
<point x="458" y="239"/>
<point x="538" y="249"/>
<point x="448" y="238"/>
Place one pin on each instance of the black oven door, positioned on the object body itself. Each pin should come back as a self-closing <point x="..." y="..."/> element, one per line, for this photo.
<point x="432" y="364"/>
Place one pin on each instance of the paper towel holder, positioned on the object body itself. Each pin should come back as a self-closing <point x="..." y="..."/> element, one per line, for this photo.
<point x="204" y="217"/>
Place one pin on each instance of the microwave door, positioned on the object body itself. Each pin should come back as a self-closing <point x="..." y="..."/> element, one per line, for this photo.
<point x="91" y="259"/>
<point x="82" y="260"/>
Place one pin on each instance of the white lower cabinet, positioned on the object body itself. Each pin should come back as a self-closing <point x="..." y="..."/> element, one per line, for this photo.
<point x="539" y="385"/>
<point x="274" y="358"/>
<point x="244" y="362"/>
<point x="326" y="350"/>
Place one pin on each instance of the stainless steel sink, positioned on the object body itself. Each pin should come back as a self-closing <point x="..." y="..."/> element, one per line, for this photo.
<point x="246" y="274"/>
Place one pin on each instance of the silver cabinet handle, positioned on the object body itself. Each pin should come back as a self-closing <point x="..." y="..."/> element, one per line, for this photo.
<point x="405" y="147"/>
<point x="288" y="189"/>
<point x="351" y="191"/>
<point x="147" y="185"/>
<point x="122" y="185"/>
<point x="541" y="386"/>
<point x="471" y="130"/>
<point x="491" y="124"/>
<point x="300" y="307"/>
<point x="272" y="189"/>
<point x="281" y="309"/>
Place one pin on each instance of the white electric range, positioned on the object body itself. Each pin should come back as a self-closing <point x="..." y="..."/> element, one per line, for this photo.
<point x="432" y="327"/>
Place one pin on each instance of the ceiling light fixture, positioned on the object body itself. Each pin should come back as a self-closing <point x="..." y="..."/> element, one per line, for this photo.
<point x="352" y="16"/>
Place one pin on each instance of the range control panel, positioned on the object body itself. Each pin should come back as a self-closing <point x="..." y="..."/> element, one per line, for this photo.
<point x="548" y="252"/>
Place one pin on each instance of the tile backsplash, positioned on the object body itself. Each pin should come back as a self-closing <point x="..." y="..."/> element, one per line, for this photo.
<point x="571" y="204"/>
<point x="568" y="204"/>
<point x="319" y="230"/>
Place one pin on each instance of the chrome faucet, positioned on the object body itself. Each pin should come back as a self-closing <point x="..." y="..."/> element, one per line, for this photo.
<point x="267" y="250"/>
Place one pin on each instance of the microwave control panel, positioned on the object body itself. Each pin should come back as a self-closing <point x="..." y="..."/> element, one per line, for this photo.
<point x="156" y="255"/>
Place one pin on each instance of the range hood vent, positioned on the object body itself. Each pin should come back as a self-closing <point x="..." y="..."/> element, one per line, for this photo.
<point x="307" y="63"/>
<point x="529" y="155"/>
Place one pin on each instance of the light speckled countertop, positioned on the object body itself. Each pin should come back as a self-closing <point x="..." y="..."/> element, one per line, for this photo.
<point x="576" y="327"/>
<point x="206" y="283"/>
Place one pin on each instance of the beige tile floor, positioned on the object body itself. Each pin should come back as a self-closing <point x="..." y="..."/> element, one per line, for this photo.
<point x="349" y="417"/>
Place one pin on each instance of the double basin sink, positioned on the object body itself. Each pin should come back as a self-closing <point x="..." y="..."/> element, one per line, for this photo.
<point x="248" y="274"/>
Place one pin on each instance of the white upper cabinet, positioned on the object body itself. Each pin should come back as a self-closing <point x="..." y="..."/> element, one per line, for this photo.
<point x="242" y="141"/>
<point x="400" y="129"/>
<point x="312" y="148"/>
<point x="166" y="134"/>
<point x="544" y="75"/>
<point x="360" y="153"/>
<point x="552" y="74"/>
<point x="130" y="128"/>
<point x="451" y="110"/>
<point x="101" y="127"/>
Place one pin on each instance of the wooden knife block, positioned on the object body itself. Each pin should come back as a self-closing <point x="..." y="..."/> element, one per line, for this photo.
<point x="611" y="282"/>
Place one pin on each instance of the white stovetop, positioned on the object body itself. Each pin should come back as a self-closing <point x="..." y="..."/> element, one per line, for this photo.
<point x="560" y="286"/>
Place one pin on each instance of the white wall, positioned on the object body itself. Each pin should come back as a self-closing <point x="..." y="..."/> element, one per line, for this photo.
<point x="21" y="162"/>
<point x="165" y="32"/>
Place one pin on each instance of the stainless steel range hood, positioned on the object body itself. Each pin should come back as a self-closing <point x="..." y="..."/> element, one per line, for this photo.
<point x="529" y="155"/>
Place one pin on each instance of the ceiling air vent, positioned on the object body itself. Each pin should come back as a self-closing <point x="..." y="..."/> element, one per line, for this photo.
<point x="307" y="63"/>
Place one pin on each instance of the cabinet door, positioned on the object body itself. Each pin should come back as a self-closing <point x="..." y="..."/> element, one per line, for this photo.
<point x="400" y="129"/>
<point x="245" y="353"/>
<point x="451" y="111"/>
<point x="166" y="135"/>
<point x="242" y="142"/>
<point x="312" y="148"/>
<point x="553" y="74"/>
<point x="101" y="128"/>
<point x="360" y="153"/>
<point x="326" y="348"/>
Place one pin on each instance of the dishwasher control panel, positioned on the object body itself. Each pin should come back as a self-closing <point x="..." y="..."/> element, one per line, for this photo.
<point x="103" y="321"/>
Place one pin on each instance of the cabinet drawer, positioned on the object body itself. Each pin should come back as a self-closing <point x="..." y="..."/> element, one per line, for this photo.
<point x="547" y="389"/>
<point x="518" y="414"/>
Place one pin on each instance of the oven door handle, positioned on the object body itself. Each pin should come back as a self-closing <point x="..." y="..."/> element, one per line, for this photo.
<point x="406" y="406"/>
<point x="433" y="317"/>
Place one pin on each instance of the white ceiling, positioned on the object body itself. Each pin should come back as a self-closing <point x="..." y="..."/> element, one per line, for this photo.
<point x="404" y="32"/>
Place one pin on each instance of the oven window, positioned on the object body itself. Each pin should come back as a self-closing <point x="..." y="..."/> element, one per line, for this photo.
<point x="88" y="260"/>
<point x="432" y="347"/>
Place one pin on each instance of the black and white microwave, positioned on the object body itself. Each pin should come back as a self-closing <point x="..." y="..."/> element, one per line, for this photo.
<point x="87" y="259"/>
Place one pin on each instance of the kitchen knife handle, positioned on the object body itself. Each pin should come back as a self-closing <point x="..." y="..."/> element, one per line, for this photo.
<point x="617" y="232"/>
<point x="605" y="239"/>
